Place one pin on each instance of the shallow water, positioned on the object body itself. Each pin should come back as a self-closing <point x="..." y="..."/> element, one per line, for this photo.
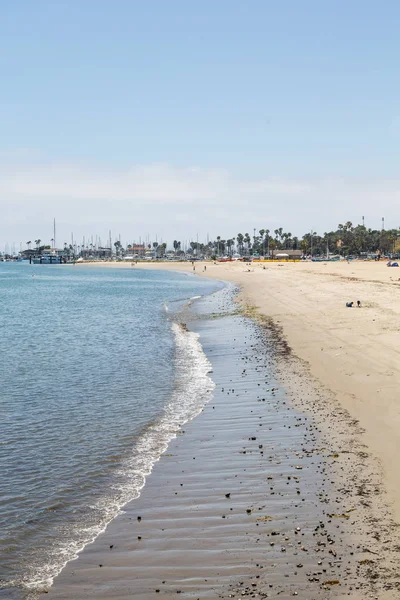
<point x="95" y="380"/>
<point x="231" y="508"/>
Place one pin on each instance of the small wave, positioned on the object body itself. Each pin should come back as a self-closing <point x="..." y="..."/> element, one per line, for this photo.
<point x="193" y="389"/>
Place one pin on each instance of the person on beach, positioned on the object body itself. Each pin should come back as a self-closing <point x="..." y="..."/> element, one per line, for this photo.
<point x="205" y="267"/>
<point x="349" y="304"/>
<point x="358" y="303"/>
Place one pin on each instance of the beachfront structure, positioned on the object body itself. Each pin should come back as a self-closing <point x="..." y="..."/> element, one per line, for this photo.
<point x="287" y="253"/>
<point x="101" y="253"/>
<point x="136" y="250"/>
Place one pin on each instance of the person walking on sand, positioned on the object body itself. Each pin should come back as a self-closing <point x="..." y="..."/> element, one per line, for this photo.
<point x="205" y="267"/>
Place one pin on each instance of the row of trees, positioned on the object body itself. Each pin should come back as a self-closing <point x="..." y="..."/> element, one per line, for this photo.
<point x="346" y="240"/>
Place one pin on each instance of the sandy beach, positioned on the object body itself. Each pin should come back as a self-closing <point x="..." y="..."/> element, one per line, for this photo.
<point x="311" y="455"/>
<point x="354" y="352"/>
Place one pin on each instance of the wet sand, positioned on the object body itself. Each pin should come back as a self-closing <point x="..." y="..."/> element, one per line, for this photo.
<point x="354" y="353"/>
<point x="270" y="492"/>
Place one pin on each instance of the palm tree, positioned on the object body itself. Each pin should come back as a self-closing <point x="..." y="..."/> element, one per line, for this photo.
<point x="155" y="246"/>
<point x="229" y="243"/>
<point x="162" y="249"/>
<point x="287" y="237"/>
<point x="117" y="246"/>
<point x="239" y="239"/>
<point x="267" y="238"/>
<point x="247" y="241"/>
<point x="29" y="244"/>
<point x="262" y="241"/>
<point x="278" y="234"/>
<point x="37" y="242"/>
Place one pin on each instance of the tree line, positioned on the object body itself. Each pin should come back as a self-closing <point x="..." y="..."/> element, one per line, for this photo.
<point x="347" y="239"/>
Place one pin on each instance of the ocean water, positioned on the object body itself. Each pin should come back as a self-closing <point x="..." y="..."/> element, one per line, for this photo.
<point x="96" y="377"/>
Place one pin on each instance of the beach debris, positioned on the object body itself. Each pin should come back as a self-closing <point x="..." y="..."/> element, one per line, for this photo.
<point x="366" y="561"/>
<point x="331" y="582"/>
<point x="139" y="519"/>
<point x="227" y="495"/>
<point x="112" y="546"/>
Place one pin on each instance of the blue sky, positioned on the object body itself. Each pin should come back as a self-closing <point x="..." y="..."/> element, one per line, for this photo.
<point x="171" y="116"/>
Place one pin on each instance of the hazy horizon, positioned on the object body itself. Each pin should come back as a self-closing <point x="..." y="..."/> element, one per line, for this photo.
<point x="174" y="120"/>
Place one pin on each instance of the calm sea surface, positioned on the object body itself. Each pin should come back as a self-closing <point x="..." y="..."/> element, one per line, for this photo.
<point x="95" y="379"/>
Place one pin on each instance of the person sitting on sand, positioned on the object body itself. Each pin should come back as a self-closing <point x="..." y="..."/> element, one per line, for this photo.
<point x="358" y="303"/>
<point x="349" y="304"/>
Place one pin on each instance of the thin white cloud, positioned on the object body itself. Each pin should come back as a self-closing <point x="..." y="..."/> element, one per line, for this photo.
<point x="156" y="183"/>
<point x="180" y="202"/>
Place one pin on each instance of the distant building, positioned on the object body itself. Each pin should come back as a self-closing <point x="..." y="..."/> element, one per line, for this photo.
<point x="287" y="253"/>
<point x="136" y="250"/>
<point x="99" y="253"/>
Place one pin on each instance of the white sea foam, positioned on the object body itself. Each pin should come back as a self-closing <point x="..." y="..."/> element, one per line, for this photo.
<point x="193" y="389"/>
